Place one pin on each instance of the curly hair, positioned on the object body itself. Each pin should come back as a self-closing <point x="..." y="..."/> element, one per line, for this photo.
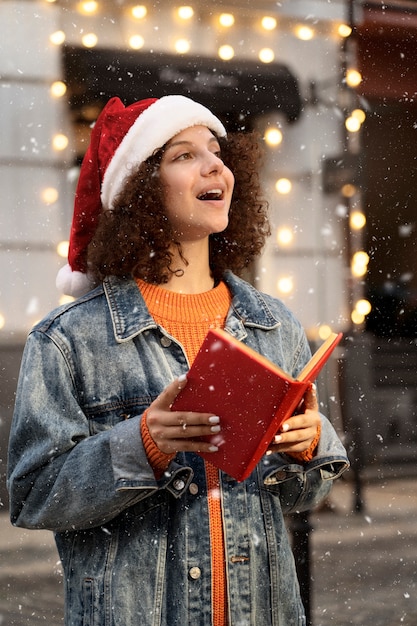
<point x="135" y="238"/>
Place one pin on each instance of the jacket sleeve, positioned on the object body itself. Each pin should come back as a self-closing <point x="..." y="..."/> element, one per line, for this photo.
<point x="303" y="486"/>
<point x="60" y="476"/>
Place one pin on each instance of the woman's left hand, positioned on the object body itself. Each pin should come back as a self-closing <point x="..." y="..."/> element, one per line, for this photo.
<point x="297" y="433"/>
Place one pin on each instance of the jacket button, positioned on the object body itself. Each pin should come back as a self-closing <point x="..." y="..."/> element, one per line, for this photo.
<point x="193" y="489"/>
<point x="165" y="341"/>
<point x="195" y="573"/>
<point x="178" y="484"/>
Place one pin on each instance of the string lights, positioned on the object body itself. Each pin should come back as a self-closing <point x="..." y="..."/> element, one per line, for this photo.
<point x="137" y="26"/>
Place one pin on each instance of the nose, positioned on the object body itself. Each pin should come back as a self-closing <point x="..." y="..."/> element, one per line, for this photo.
<point x="212" y="164"/>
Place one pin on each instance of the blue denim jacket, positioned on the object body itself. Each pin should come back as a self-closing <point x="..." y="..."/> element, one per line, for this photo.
<point x="136" y="551"/>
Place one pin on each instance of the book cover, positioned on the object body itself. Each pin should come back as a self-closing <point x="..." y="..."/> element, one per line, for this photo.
<point x="251" y="395"/>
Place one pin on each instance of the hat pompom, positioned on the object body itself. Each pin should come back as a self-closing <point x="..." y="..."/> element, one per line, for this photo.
<point x="73" y="283"/>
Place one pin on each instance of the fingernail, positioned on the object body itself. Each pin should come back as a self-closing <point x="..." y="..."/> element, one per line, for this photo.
<point x="182" y="378"/>
<point x="277" y="438"/>
<point x="284" y="428"/>
<point x="214" y="419"/>
<point x="215" y="429"/>
<point x="213" y="449"/>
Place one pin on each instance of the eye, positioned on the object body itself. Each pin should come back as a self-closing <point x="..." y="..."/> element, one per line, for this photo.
<point x="183" y="156"/>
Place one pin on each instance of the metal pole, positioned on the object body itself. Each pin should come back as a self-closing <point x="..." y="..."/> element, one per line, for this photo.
<point x="301" y="529"/>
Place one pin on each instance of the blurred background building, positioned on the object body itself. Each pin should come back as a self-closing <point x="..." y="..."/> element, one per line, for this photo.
<point x="331" y="87"/>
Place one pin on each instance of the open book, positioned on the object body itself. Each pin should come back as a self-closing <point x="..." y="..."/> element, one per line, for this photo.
<point x="251" y="395"/>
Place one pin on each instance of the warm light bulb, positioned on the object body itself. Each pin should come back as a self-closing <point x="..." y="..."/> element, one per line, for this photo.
<point x="356" y="317"/>
<point x="348" y="190"/>
<point x="226" y="52"/>
<point x="62" y="249"/>
<point x="363" y="307"/>
<point x="182" y="46"/>
<point x="49" y="195"/>
<point x="139" y="11"/>
<point x="57" y="38"/>
<point x="60" y="142"/>
<point x="285" y="285"/>
<point x="266" y="55"/>
<point x="58" y="89"/>
<point x="283" y="185"/>
<point x="305" y="33"/>
<point x="269" y="23"/>
<point x="352" y="124"/>
<point x="324" y="331"/>
<point x="273" y="136"/>
<point x="136" y="42"/>
<point x="344" y="30"/>
<point x="185" y="12"/>
<point x="353" y="78"/>
<point x="285" y="236"/>
<point x="2" y="321"/>
<point x="226" y="20"/>
<point x="89" y="40"/>
<point x="359" y="114"/>
<point x="357" y="220"/>
<point x="359" y="264"/>
<point x="88" y="7"/>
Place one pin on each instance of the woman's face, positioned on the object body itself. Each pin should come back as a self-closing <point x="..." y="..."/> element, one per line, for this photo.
<point x="197" y="185"/>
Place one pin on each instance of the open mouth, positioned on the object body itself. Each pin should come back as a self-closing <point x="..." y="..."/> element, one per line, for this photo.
<point x="213" y="194"/>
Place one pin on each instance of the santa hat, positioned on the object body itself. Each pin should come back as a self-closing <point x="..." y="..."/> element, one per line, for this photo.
<point x="122" y="138"/>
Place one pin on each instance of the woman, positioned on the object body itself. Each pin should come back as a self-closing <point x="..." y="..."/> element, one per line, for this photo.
<point x="168" y="210"/>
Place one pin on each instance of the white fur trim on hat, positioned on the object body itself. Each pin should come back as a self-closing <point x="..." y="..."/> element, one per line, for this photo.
<point x="161" y="121"/>
<point x="73" y="284"/>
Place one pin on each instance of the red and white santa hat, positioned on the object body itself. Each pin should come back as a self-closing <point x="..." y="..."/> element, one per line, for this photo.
<point x="122" y="138"/>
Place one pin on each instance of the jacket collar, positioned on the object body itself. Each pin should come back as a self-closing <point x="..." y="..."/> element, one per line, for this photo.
<point x="130" y="315"/>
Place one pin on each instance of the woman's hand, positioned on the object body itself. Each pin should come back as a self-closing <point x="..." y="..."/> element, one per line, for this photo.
<point x="299" y="431"/>
<point x="174" y="431"/>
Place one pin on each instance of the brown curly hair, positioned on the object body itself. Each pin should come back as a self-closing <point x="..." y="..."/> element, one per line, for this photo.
<point x="135" y="238"/>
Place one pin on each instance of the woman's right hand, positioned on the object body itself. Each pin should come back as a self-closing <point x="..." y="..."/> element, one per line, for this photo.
<point x="179" y="431"/>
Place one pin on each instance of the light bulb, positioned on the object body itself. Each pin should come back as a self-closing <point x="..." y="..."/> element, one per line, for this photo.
<point x="226" y="20"/>
<point x="273" y="136"/>
<point x="58" y="89"/>
<point x="266" y="55"/>
<point x="285" y="285"/>
<point x="357" y="220"/>
<point x="139" y="11"/>
<point x="305" y="33"/>
<point x="57" y="38"/>
<point x="353" y="78"/>
<point x="182" y="46"/>
<point x="269" y="23"/>
<point x="62" y="249"/>
<point x="283" y="185"/>
<point x="185" y="12"/>
<point x="60" y="142"/>
<point x="226" y="52"/>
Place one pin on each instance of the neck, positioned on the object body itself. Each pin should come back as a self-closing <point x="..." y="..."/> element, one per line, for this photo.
<point x="195" y="276"/>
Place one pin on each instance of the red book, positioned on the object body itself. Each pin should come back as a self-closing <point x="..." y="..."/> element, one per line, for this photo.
<point x="251" y="395"/>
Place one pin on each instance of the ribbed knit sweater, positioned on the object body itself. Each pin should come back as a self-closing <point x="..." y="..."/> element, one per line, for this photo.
<point x="188" y="317"/>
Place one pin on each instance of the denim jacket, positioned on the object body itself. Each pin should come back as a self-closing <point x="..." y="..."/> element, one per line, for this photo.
<point x="136" y="550"/>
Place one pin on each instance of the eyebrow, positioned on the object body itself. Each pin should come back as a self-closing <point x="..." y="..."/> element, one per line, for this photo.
<point x="213" y="139"/>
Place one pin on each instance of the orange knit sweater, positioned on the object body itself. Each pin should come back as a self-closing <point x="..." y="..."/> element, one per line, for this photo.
<point x="188" y="318"/>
